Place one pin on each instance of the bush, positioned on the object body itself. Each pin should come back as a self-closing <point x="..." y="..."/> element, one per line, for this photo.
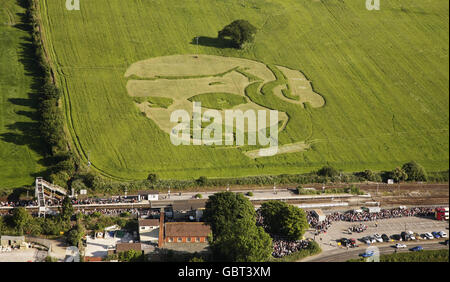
<point x="152" y="178"/>
<point x="250" y="194"/>
<point x="198" y="196"/>
<point x="202" y="180"/>
<point x="328" y="171"/>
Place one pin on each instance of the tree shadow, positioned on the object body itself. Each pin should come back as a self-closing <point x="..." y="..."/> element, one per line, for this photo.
<point x="213" y="42"/>
<point x="27" y="133"/>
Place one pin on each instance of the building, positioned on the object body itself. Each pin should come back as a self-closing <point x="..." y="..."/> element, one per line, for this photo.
<point x="13" y="241"/>
<point x="149" y="230"/>
<point x="186" y="232"/>
<point x="124" y="247"/>
<point x="318" y="213"/>
<point x="188" y="209"/>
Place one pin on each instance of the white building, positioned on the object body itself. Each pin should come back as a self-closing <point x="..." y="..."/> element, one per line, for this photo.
<point x="149" y="230"/>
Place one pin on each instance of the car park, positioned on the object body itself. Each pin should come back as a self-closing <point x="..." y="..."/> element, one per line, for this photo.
<point x="400" y="246"/>
<point x="417" y="249"/>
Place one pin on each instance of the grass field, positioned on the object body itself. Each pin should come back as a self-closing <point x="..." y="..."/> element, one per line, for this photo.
<point x="422" y="256"/>
<point x="383" y="76"/>
<point x="19" y="138"/>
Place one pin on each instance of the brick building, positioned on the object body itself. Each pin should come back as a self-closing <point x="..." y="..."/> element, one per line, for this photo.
<point x="186" y="232"/>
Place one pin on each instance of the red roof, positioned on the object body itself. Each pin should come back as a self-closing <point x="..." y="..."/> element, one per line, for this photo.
<point x="148" y="222"/>
<point x="92" y="259"/>
<point x="187" y="229"/>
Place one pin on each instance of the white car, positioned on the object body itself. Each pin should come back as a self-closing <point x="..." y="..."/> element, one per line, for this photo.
<point x="378" y="238"/>
<point x="443" y="234"/>
<point x="429" y="236"/>
<point x="400" y="246"/>
<point x="411" y="235"/>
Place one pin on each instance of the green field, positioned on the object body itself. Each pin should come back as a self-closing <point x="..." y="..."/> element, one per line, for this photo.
<point x="19" y="135"/>
<point x="383" y="75"/>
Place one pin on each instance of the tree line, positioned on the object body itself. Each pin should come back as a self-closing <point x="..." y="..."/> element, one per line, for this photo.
<point x="62" y="163"/>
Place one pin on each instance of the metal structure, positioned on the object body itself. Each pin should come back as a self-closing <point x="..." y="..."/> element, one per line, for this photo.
<point x="52" y="190"/>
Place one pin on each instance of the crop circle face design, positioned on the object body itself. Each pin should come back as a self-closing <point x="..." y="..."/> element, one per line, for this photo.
<point x="162" y="85"/>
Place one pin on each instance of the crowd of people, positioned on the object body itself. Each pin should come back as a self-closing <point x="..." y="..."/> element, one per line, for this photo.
<point x="283" y="248"/>
<point x="357" y="228"/>
<point x="117" y="212"/>
<point x="353" y="216"/>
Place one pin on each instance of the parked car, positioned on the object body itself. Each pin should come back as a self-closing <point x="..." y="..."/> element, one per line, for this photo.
<point x="436" y="235"/>
<point x="400" y="246"/>
<point x="385" y="238"/>
<point x="417" y="249"/>
<point x="429" y="236"/>
<point x="446" y="242"/>
<point x="405" y="236"/>
<point x="378" y="238"/>
<point x="353" y="243"/>
<point x="396" y="237"/>
<point x="372" y="239"/>
<point x="411" y="235"/>
<point x="443" y="234"/>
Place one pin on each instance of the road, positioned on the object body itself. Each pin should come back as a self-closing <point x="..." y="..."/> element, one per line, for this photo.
<point x="342" y="255"/>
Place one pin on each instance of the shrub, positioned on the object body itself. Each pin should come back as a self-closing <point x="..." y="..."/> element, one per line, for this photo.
<point x="328" y="171"/>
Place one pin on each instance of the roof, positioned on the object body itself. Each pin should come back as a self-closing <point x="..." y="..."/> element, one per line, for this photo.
<point x="13" y="238"/>
<point x="187" y="205"/>
<point x="145" y="192"/>
<point x="187" y="229"/>
<point x="123" y="247"/>
<point x="148" y="222"/>
<point x="319" y="212"/>
<point x="92" y="259"/>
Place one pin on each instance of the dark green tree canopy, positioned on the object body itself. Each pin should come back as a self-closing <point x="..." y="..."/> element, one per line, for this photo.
<point x="415" y="171"/>
<point x="67" y="209"/>
<point x="328" y="171"/>
<point x="236" y="237"/>
<point x="284" y="220"/>
<point x="239" y="31"/>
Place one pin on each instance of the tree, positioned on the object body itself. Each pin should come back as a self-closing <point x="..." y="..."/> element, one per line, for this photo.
<point x="152" y="178"/>
<point x="223" y="209"/>
<point x="399" y="174"/>
<point x="20" y="218"/>
<point x="283" y="219"/>
<point x="202" y="180"/>
<point x="66" y="209"/>
<point x="415" y="171"/>
<point x="131" y="256"/>
<point x="74" y="236"/>
<point x="239" y="31"/>
<point x="235" y="235"/>
<point x="328" y="171"/>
